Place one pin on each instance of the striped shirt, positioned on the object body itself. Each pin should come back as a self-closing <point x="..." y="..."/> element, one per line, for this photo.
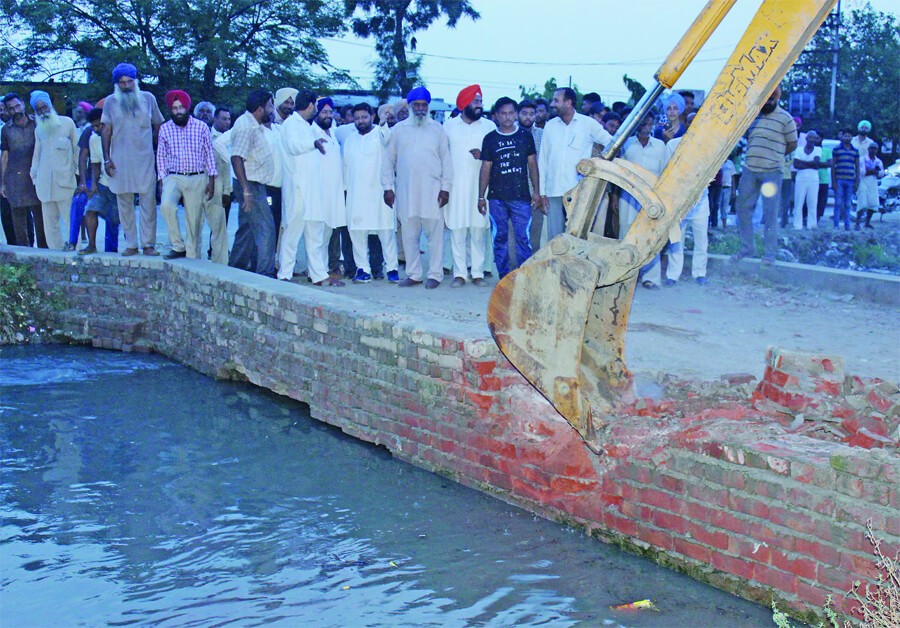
<point x="767" y="140"/>
<point x="185" y="149"/>
<point x="845" y="162"/>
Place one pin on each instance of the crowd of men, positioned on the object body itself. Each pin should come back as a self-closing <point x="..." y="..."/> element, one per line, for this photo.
<point x="349" y="193"/>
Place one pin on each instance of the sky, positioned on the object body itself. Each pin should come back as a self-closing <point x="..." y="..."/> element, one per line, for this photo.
<point x="548" y="38"/>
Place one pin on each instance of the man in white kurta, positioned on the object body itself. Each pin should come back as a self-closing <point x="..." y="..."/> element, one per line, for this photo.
<point x="366" y="210"/>
<point x="465" y="133"/>
<point x="643" y="150"/>
<point x="303" y="214"/>
<point x="130" y="119"/>
<point x="53" y="168"/>
<point x="331" y="186"/>
<point x="417" y="176"/>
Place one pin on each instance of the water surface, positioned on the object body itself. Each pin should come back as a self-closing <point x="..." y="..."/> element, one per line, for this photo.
<point x="136" y="491"/>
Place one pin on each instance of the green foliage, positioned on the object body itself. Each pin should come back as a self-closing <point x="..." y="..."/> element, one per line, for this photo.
<point x="393" y="23"/>
<point x="873" y="255"/>
<point x="195" y="45"/>
<point x="868" y="74"/>
<point x="550" y="87"/>
<point x="637" y="90"/>
<point x="22" y="304"/>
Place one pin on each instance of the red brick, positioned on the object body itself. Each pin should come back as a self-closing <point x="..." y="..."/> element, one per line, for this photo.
<point x="747" y="505"/>
<point x="838" y="579"/>
<point x="790" y="519"/>
<point x="620" y="524"/>
<point x="862" y="567"/>
<point x="671" y="484"/>
<point x="821" y="552"/>
<point x="749" y="549"/>
<point x="813" y="594"/>
<point x="483" y="368"/>
<point x="657" y="538"/>
<point x="780" y="580"/>
<point x="734" y="565"/>
<point x="669" y="521"/>
<point x="714" y="538"/>
<point x="698" y="512"/>
<point x="803" y="567"/>
<point x="660" y="499"/>
<point x="727" y="521"/>
<point x="692" y="550"/>
<point x="569" y="485"/>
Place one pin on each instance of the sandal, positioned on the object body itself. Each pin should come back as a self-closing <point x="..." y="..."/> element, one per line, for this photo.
<point x="87" y="250"/>
<point x="649" y="285"/>
<point x="335" y="283"/>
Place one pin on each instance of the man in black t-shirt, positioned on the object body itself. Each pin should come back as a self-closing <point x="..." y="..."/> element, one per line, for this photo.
<point x="507" y="162"/>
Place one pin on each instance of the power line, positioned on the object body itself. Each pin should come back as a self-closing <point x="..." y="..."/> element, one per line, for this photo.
<point x="647" y="61"/>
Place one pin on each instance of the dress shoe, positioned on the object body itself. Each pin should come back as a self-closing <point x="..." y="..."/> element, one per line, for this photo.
<point x="408" y="283"/>
<point x="431" y="284"/>
<point x="458" y="282"/>
<point x="174" y="254"/>
<point x="480" y="282"/>
<point x="149" y="251"/>
<point x="129" y="252"/>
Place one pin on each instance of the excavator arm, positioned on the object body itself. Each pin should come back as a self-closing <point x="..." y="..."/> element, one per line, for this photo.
<point x="561" y="317"/>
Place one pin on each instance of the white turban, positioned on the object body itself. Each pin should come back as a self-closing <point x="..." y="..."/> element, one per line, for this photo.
<point x="283" y="94"/>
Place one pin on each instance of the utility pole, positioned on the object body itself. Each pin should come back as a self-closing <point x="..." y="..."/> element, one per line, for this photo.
<point x="835" y="46"/>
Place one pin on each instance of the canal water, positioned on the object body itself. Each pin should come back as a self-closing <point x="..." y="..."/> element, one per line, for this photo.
<point x="136" y="491"/>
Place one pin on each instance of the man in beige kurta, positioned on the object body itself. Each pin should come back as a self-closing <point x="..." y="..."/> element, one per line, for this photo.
<point x="416" y="175"/>
<point x="131" y="118"/>
<point x="53" y="168"/>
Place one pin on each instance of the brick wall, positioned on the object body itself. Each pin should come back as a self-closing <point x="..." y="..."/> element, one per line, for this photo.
<point x="718" y="490"/>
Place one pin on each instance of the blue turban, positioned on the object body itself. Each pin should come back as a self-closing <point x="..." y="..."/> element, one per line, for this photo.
<point x="124" y="69"/>
<point x="676" y="98"/>
<point x="324" y="100"/>
<point x="419" y="93"/>
<point x="37" y="96"/>
<point x="864" y="125"/>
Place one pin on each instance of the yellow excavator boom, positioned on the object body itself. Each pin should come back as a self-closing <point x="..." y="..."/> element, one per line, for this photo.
<point x="561" y="317"/>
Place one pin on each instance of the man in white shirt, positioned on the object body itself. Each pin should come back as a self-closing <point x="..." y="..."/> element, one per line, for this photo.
<point x="301" y="193"/>
<point x="418" y="167"/>
<point x="807" y="161"/>
<point x="567" y="139"/>
<point x="363" y="158"/>
<point x="650" y="153"/>
<point x="466" y="133"/>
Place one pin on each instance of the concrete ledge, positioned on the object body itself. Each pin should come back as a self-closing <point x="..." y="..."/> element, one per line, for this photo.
<point x="873" y="287"/>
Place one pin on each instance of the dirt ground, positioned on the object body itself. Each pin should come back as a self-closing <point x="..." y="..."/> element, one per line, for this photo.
<point x="693" y="331"/>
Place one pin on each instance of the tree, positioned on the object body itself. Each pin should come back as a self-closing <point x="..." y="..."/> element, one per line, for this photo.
<point x="637" y="90"/>
<point x="393" y="24"/>
<point x="195" y="45"/>
<point x="550" y="87"/>
<point x="868" y="75"/>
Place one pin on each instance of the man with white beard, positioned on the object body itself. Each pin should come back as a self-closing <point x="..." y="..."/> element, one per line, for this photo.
<point x="366" y="210"/>
<point x="131" y="118"/>
<point x="304" y="215"/>
<point x="205" y="111"/>
<point x="466" y="133"/>
<point x="418" y="165"/>
<point x="53" y="168"/>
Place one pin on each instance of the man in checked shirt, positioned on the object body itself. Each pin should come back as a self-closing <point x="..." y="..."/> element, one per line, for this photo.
<point x="186" y="165"/>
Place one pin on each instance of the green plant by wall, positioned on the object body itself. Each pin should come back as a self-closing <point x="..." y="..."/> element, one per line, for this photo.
<point x="23" y="305"/>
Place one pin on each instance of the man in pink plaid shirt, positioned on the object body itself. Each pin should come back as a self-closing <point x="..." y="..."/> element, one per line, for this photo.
<point x="186" y="165"/>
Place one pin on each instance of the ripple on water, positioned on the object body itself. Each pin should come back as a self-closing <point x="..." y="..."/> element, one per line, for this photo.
<point x="190" y="502"/>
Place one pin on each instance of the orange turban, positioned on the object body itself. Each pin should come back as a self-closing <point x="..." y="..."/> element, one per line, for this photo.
<point x="467" y="95"/>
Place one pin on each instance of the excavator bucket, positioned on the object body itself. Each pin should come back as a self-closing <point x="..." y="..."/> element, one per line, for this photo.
<point x="561" y="318"/>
